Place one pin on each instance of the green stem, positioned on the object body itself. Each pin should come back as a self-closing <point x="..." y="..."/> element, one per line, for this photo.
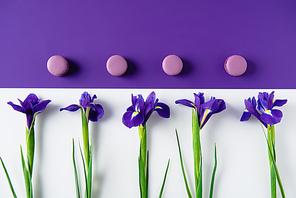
<point x="143" y="162"/>
<point x="197" y="153"/>
<point x="30" y="145"/>
<point x="85" y="136"/>
<point x="271" y="157"/>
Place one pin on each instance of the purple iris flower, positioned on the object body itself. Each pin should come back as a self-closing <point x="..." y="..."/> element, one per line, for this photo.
<point x="263" y="109"/>
<point x="31" y="106"/>
<point x="204" y="109"/>
<point x="96" y="111"/>
<point x="140" y="111"/>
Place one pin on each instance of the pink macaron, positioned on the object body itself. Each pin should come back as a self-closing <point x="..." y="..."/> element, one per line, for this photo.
<point x="235" y="65"/>
<point x="116" y="65"/>
<point x="172" y="65"/>
<point x="57" y="65"/>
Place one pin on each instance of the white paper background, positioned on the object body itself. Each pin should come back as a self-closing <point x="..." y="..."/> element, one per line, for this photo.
<point x="243" y="169"/>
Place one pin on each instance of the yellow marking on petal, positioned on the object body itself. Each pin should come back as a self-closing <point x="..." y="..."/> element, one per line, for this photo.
<point x="158" y="107"/>
<point x="268" y="112"/>
<point x="207" y="111"/>
<point x="134" y="114"/>
<point x="193" y="105"/>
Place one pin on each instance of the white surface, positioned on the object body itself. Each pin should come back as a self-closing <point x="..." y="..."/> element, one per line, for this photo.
<point x="242" y="153"/>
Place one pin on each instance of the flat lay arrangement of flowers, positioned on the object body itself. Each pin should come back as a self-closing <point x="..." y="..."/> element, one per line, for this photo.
<point x="148" y="113"/>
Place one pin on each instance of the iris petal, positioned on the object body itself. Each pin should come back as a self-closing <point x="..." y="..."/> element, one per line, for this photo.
<point x="270" y="100"/>
<point x="40" y="106"/>
<point x="33" y="99"/>
<point x="163" y="110"/>
<point x="96" y="113"/>
<point x="279" y="103"/>
<point x="27" y="105"/>
<point x="207" y="113"/>
<point x="185" y="102"/>
<point x="131" y="119"/>
<point x="85" y="99"/>
<point x="246" y="115"/>
<point x="272" y="117"/>
<point x="17" y="107"/>
<point x="73" y="107"/>
<point x="254" y="111"/>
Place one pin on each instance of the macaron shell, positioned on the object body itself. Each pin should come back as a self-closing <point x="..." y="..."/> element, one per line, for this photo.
<point x="57" y="65"/>
<point x="235" y="65"/>
<point x="116" y="65"/>
<point x="172" y="65"/>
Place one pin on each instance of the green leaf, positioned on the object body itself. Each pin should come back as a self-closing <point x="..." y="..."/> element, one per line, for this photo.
<point x="85" y="175"/>
<point x="182" y="166"/>
<point x="89" y="174"/>
<point x="213" y="174"/>
<point x="27" y="178"/>
<point x="147" y="173"/>
<point x="140" y="177"/>
<point x="8" y="179"/>
<point x="75" y="171"/>
<point x="164" y="179"/>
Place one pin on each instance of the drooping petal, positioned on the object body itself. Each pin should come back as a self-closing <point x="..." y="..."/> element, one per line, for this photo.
<point x="185" y="102"/>
<point x="279" y="103"/>
<point x="96" y="112"/>
<point x="17" y="107"/>
<point x="246" y="115"/>
<point x="73" y="107"/>
<point x="272" y="117"/>
<point x="40" y="106"/>
<point x="163" y="110"/>
<point x="131" y="119"/>
<point x="130" y="108"/>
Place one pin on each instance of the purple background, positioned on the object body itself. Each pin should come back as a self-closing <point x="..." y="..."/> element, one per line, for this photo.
<point x="203" y="33"/>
